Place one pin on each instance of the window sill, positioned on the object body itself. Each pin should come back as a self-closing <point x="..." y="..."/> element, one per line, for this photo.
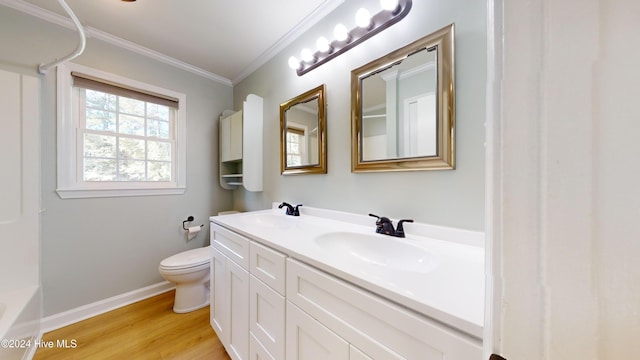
<point x="101" y="193"/>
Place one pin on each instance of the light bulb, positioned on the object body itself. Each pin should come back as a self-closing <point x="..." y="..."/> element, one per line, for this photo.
<point x="363" y="18"/>
<point x="323" y="44"/>
<point x="389" y="5"/>
<point x="306" y="55"/>
<point x="294" y="63"/>
<point x="340" y="32"/>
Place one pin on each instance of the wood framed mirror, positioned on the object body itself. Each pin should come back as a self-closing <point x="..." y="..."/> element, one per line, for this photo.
<point x="403" y="108"/>
<point x="303" y="137"/>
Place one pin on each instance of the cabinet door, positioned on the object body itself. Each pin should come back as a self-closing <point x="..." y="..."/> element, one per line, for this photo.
<point x="231" y="137"/>
<point x="218" y="290"/>
<point x="257" y="351"/>
<point x="307" y="339"/>
<point x="237" y="290"/>
<point x="235" y="141"/>
<point x="229" y="305"/>
<point x="225" y="138"/>
<point x="381" y="328"/>
<point x="266" y="317"/>
<point x="356" y="354"/>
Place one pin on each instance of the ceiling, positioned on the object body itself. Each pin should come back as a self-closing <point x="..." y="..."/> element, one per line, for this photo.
<point x="226" y="39"/>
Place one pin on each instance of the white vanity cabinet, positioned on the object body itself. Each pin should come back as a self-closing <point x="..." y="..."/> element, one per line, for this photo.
<point x="230" y="291"/>
<point x="370" y="326"/>
<point x="268" y="305"/>
<point x="247" y="296"/>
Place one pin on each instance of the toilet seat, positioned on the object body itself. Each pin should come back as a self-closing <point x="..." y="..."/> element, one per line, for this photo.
<point x="191" y="259"/>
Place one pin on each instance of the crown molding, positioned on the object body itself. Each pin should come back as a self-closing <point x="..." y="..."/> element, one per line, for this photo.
<point x="131" y="46"/>
<point x="309" y="21"/>
<point x="318" y="14"/>
<point x="60" y="20"/>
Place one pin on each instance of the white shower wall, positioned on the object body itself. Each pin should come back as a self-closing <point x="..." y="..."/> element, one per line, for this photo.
<point x="19" y="212"/>
<point x="19" y="183"/>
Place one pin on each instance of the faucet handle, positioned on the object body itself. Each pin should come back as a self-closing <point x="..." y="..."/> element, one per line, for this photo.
<point x="379" y="222"/>
<point x="400" y="229"/>
<point x="296" y="210"/>
<point x="384" y="225"/>
<point x="290" y="209"/>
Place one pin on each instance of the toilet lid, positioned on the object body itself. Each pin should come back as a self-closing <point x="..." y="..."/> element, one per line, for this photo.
<point x="187" y="258"/>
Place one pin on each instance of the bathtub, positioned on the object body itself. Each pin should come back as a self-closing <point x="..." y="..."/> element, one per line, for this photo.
<point x="19" y="322"/>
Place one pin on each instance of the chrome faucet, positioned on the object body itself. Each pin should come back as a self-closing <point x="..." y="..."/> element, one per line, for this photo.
<point x="384" y="225"/>
<point x="293" y="211"/>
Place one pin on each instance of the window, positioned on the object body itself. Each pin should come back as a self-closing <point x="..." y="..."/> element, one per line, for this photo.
<point x="118" y="137"/>
<point x="295" y="146"/>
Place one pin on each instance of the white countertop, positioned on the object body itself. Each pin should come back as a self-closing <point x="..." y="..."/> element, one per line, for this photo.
<point x="451" y="290"/>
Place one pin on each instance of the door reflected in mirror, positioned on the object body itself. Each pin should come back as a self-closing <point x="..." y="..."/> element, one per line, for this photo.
<point x="399" y="109"/>
<point x="303" y="137"/>
<point x="403" y="108"/>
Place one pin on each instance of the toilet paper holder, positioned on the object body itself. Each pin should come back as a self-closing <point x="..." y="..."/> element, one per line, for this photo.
<point x="189" y="219"/>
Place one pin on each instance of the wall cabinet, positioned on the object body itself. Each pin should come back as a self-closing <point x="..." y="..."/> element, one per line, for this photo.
<point x="240" y="146"/>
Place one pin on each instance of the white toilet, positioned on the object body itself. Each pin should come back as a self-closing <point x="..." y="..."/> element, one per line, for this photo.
<point x="189" y="270"/>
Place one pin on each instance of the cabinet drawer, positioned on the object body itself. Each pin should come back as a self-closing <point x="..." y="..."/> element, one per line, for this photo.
<point x="266" y="317"/>
<point x="268" y="265"/>
<point x="370" y="322"/>
<point x="232" y="245"/>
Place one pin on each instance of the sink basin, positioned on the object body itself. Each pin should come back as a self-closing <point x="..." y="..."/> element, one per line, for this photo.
<point x="269" y="220"/>
<point x="378" y="250"/>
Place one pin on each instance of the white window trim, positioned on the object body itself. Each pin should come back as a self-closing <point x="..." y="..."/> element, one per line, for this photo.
<point x="302" y="153"/>
<point x="68" y="186"/>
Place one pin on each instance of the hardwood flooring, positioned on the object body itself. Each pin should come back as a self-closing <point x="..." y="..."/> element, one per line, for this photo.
<point x="148" y="329"/>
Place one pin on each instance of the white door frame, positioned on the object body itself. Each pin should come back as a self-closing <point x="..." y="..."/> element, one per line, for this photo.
<point x="493" y="156"/>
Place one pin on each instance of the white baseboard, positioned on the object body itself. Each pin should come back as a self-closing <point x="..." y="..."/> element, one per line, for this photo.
<point x="69" y="317"/>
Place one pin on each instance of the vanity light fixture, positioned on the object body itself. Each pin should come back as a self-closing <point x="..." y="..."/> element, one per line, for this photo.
<point x="367" y="26"/>
<point x="341" y="33"/>
<point x="306" y="55"/>
<point x="363" y="18"/>
<point x="323" y="45"/>
<point x="389" y="5"/>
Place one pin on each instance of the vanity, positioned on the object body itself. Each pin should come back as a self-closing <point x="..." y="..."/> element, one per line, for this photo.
<point x="324" y="285"/>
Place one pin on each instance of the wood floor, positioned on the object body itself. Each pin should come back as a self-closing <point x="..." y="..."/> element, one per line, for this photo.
<point x="148" y="329"/>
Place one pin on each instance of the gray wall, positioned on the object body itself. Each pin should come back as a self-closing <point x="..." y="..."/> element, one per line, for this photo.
<point x="450" y="198"/>
<point x="93" y="249"/>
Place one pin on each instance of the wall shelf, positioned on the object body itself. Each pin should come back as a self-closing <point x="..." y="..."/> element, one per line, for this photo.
<point x="240" y="139"/>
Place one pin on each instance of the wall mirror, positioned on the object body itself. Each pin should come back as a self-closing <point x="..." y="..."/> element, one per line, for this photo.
<point x="402" y="108"/>
<point x="303" y="139"/>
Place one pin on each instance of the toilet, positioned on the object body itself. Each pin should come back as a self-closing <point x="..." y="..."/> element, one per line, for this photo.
<point x="189" y="270"/>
